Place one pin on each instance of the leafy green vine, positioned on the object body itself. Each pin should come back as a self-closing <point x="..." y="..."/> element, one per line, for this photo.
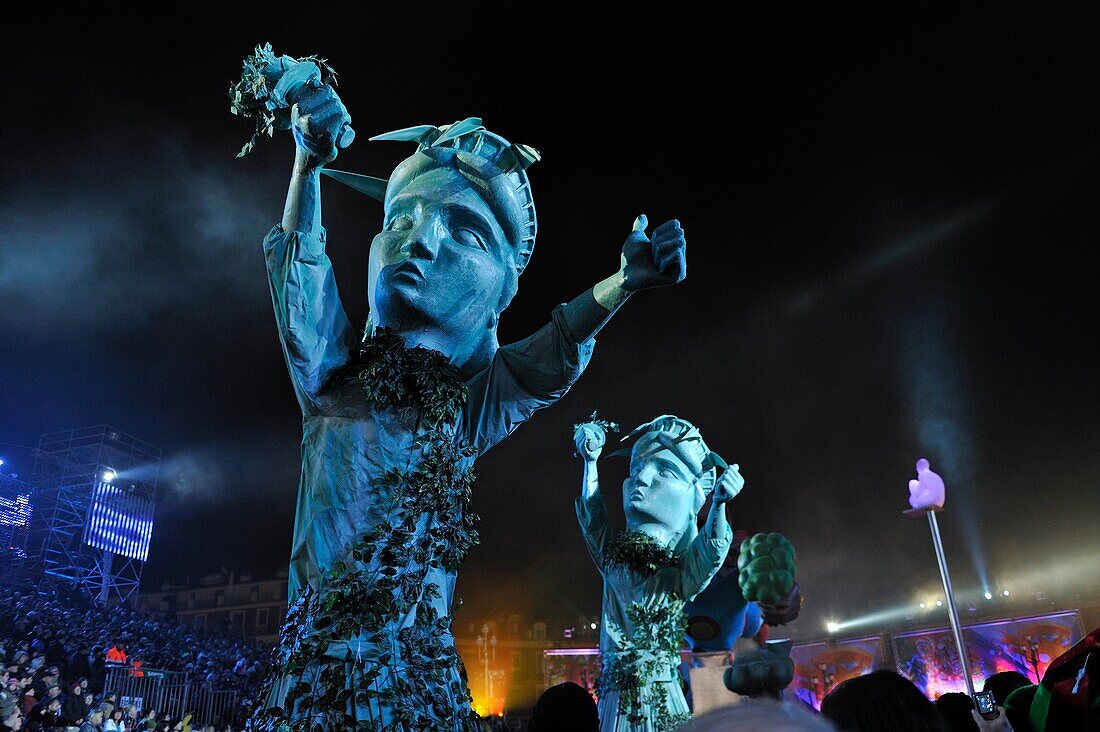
<point x="646" y="661"/>
<point x="395" y="376"/>
<point x="638" y="551"/>
<point x="415" y="675"/>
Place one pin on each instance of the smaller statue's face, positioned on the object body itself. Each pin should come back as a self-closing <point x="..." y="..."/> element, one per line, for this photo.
<point x="659" y="495"/>
<point x="442" y="262"/>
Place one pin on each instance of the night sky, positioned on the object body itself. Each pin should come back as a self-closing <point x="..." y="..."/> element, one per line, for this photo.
<point x="891" y="227"/>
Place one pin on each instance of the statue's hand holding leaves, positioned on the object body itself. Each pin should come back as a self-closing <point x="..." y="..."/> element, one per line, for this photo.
<point x="729" y="485"/>
<point x="655" y="262"/>
<point x="320" y="123"/>
<point x="269" y="88"/>
<point x="589" y="439"/>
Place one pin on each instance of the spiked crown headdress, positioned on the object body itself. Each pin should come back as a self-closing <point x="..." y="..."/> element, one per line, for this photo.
<point x="495" y="166"/>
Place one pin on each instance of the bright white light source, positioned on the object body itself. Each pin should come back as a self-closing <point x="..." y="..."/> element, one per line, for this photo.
<point x="832" y="626"/>
<point x="593" y="626"/>
<point x="939" y="603"/>
<point x="922" y="606"/>
<point x="989" y="595"/>
<point x="109" y="475"/>
<point x="1005" y="593"/>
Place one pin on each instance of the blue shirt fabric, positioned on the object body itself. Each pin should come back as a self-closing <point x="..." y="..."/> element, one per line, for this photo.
<point x="623" y="588"/>
<point x="348" y="445"/>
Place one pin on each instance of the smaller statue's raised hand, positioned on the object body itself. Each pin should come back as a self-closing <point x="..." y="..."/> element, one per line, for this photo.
<point x="320" y="123"/>
<point x="655" y="262"/>
<point x="589" y="439"/>
<point x="729" y="485"/>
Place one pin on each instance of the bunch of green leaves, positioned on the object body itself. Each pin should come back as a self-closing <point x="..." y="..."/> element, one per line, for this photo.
<point x="766" y="568"/>
<point x="638" y="551"/>
<point x="396" y="376"/>
<point x="420" y="680"/>
<point x="645" y="660"/>
<point x="604" y="424"/>
<point x="250" y="97"/>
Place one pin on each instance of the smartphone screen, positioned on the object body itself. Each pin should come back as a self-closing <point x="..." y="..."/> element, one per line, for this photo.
<point x="986" y="703"/>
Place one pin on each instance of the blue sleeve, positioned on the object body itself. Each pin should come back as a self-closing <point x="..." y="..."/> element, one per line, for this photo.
<point x="595" y="527"/>
<point x="523" y="378"/>
<point x="702" y="561"/>
<point x="313" y="328"/>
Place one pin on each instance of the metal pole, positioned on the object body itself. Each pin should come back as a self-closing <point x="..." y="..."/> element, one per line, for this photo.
<point x="952" y="611"/>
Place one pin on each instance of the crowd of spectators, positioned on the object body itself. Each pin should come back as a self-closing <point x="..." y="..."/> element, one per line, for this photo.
<point x="883" y="701"/>
<point x="56" y="647"/>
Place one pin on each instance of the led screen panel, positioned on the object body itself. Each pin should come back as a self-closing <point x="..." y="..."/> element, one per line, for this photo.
<point x="820" y="667"/>
<point x="928" y="658"/>
<point x="119" y="521"/>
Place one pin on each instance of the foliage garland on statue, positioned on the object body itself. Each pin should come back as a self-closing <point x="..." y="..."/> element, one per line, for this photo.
<point x="637" y="550"/>
<point x="646" y="660"/>
<point x="384" y="576"/>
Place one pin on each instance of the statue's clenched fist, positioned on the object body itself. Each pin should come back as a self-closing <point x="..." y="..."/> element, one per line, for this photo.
<point x="320" y="123"/>
<point x="729" y="485"/>
<point x="589" y="439"/>
<point x="654" y="262"/>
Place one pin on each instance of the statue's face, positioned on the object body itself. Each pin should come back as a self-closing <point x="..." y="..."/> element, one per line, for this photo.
<point x="442" y="262"/>
<point x="660" y="490"/>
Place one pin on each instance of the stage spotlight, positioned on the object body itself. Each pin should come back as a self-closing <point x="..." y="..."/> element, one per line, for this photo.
<point x="922" y="606"/>
<point x="832" y="626"/>
<point x="939" y="603"/>
<point x="109" y="475"/>
<point x="1005" y="593"/>
<point x="593" y="626"/>
<point x="1" y="461"/>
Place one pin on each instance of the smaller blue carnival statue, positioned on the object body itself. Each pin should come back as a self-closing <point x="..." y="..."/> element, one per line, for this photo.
<point x="653" y="567"/>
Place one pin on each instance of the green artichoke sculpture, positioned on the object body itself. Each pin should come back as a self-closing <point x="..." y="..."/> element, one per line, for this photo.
<point x="766" y="568"/>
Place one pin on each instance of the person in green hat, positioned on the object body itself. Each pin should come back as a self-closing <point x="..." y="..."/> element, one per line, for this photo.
<point x="392" y="423"/>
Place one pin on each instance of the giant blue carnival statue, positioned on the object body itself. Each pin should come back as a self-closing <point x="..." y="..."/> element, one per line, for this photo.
<point x="393" y="422"/>
<point x="653" y="567"/>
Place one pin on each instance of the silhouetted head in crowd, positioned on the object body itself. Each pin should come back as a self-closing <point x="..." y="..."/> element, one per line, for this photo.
<point x="565" y="707"/>
<point x="760" y="715"/>
<point x="1005" y="683"/>
<point x="955" y="709"/>
<point x="881" y="701"/>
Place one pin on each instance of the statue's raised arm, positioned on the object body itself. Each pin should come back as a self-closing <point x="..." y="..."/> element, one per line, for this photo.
<point x="394" y="422"/>
<point x="281" y="92"/>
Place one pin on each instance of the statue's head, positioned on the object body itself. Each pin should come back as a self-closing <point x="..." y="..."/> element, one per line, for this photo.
<point x="459" y="228"/>
<point x="671" y="474"/>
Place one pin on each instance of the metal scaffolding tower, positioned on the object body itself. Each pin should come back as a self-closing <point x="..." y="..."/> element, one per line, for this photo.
<point x="93" y="508"/>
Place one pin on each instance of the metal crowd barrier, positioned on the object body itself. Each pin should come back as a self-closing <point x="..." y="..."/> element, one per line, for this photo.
<point x="172" y="694"/>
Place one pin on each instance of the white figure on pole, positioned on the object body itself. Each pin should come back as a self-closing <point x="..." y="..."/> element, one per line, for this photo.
<point x="926" y="497"/>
